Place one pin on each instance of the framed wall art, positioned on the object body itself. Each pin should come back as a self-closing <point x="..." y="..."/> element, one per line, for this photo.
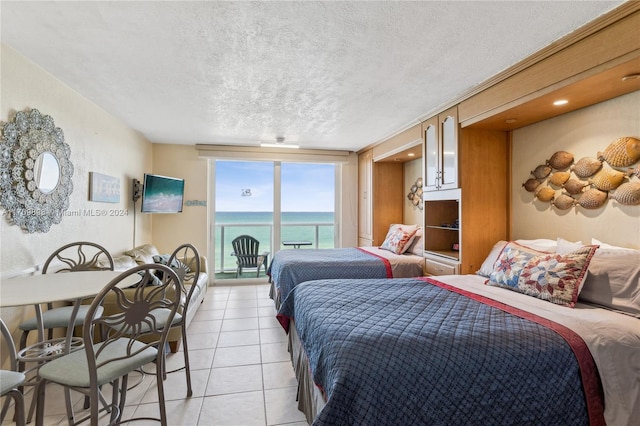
<point x="104" y="188"/>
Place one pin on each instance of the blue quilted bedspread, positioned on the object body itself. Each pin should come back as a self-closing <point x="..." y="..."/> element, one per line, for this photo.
<point x="416" y="353"/>
<point x="292" y="267"/>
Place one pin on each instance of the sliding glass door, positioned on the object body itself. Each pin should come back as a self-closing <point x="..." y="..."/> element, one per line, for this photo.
<point x="283" y="205"/>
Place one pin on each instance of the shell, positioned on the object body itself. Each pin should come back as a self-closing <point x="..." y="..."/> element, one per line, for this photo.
<point x="544" y="193"/>
<point x="592" y="199"/>
<point x="542" y="171"/>
<point x="531" y="184"/>
<point x="563" y="202"/>
<point x="559" y="178"/>
<point x="622" y="152"/>
<point x="636" y="171"/>
<point x="586" y="166"/>
<point x="574" y="186"/>
<point x="608" y="179"/>
<point x="560" y="160"/>
<point x="628" y="194"/>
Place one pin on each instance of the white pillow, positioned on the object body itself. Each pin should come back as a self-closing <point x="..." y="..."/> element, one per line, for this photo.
<point x="487" y="266"/>
<point x="613" y="281"/>
<point x="565" y="247"/>
<point x="417" y="247"/>
<point x="540" y="244"/>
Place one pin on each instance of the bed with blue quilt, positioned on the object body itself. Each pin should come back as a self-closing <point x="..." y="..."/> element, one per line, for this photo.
<point x="289" y="268"/>
<point x="455" y="351"/>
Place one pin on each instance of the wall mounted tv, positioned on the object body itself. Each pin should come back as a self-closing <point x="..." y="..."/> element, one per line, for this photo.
<point x="162" y="194"/>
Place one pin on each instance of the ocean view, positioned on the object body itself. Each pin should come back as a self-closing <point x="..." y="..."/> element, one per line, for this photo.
<point x="295" y="226"/>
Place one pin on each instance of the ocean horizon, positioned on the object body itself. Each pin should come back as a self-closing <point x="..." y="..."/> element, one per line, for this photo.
<point x="296" y="226"/>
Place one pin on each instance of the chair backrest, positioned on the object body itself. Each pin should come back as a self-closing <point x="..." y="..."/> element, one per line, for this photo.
<point x="80" y="256"/>
<point x="138" y="312"/>
<point x="10" y="346"/>
<point x="185" y="261"/>
<point x="246" y="249"/>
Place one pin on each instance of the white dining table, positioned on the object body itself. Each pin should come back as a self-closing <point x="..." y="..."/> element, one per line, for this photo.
<point x="44" y="288"/>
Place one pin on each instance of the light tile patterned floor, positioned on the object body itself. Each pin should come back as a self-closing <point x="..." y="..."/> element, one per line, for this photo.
<point x="240" y="369"/>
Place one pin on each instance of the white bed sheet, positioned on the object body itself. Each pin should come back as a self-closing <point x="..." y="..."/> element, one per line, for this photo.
<point x="612" y="338"/>
<point x="405" y="265"/>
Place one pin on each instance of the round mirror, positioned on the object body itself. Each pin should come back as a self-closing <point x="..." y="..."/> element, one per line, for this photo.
<point x="46" y="172"/>
<point x="35" y="171"/>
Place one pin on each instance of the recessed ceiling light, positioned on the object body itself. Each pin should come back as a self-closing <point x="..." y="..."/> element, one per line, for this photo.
<point x="411" y="154"/>
<point x="561" y="102"/>
<point x="510" y="120"/>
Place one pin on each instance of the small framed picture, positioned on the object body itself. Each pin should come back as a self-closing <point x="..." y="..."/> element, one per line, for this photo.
<point x="104" y="188"/>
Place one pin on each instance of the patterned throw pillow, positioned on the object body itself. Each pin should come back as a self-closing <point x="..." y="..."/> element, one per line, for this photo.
<point x="397" y="240"/>
<point x="554" y="277"/>
<point x="510" y="263"/>
<point x="557" y="278"/>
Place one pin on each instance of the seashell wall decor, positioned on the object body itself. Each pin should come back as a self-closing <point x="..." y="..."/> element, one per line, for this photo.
<point x="560" y="160"/>
<point x="415" y="194"/>
<point x="588" y="183"/>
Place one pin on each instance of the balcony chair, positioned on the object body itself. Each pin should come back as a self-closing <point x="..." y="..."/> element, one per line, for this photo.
<point x="245" y="249"/>
<point x="118" y="349"/>
<point x="11" y="380"/>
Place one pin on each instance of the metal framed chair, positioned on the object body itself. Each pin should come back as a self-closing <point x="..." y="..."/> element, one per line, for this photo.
<point x="114" y="345"/>
<point x="73" y="257"/>
<point x="11" y="380"/>
<point x="185" y="261"/>
<point x="245" y="249"/>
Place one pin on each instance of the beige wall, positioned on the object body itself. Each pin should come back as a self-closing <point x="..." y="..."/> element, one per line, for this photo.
<point x="99" y="143"/>
<point x="412" y="171"/>
<point x="170" y="230"/>
<point x="582" y="133"/>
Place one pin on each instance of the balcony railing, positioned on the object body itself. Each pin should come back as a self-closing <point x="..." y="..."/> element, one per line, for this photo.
<point x="321" y="235"/>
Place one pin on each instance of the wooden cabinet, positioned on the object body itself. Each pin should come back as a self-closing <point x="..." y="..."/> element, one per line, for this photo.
<point x="461" y="225"/>
<point x="441" y="151"/>
<point x="380" y="198"/>
<point x="365" y="206"/>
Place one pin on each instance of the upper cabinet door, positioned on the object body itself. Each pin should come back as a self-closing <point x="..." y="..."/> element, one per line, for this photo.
<point x="441" y="151"/>
<point x="430" y="157"/>
<point x="449" y="156"/>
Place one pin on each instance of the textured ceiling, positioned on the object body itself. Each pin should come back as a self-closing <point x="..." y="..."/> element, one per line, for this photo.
<point x="334" y="75"/>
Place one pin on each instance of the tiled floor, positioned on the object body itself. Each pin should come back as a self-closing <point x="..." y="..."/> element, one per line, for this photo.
<point x="240" y="368"/>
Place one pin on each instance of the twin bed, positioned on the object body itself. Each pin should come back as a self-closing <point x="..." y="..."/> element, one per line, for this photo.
<point x="453" y="350"/>
<point x="289" y="268"/>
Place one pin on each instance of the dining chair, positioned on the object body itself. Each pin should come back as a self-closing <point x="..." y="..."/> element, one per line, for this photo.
<point x="185" y="261"/>
<point x="11" y="380"/>
<point x="113" y="346"/>
<point x="73" y="257"/>
<point x="245" y="249"/>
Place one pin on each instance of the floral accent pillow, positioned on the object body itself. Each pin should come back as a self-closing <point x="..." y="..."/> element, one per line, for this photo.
<point x="398" y="240"/>
<point x="509" y="264"/>
<point x="554" y="277"/>
<point x="557" y="278"/>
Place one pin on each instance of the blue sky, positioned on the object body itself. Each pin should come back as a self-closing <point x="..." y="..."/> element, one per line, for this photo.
<point x="306" y="187"/>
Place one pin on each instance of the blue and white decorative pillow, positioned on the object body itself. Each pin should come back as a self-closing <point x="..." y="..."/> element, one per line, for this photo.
<point x="510" y="263"/>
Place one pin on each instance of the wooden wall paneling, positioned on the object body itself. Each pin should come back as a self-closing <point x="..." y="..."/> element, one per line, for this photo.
<point x="484" y="170"/>
<point x="388" y="198"/>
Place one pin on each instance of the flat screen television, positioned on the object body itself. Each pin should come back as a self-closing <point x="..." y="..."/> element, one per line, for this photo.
<point x="162" y="194"/>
